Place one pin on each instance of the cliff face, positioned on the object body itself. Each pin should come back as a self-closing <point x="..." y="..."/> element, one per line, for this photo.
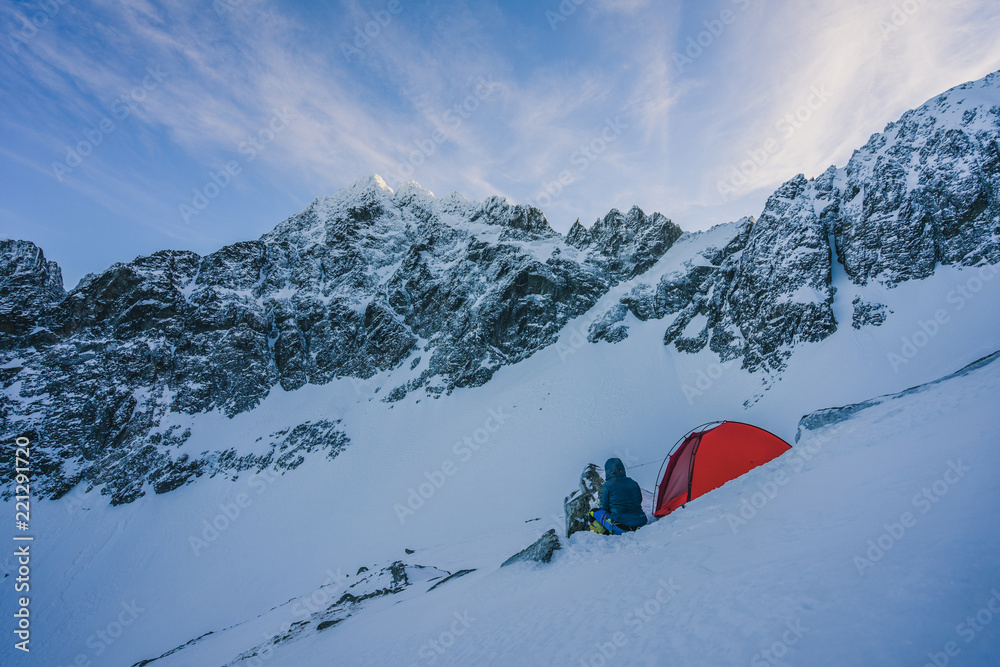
<point x="29" y="286"/>
<point x="924" y="191"/>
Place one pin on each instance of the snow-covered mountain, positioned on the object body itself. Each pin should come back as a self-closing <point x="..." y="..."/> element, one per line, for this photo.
<point x="358" y="283"/>
<point x="271" y="454"/>
<point x="924" y="192"/>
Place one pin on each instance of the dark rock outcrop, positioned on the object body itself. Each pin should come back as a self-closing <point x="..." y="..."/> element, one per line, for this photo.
<point x="579" y="503"/>
<point x="831" y="417"/>
<point x="450" y="577"/>
<point x="867" y="314"/>
<point x="926" y="190"/>
<point x="540" y="551"/>
<point x="29" y="286"/>
<point x="324" y="608"/>
<point x="630" y="243"/>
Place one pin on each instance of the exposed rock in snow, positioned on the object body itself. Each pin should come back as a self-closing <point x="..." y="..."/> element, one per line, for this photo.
<point x="821" y="418"/>
<point x="29" y="285"/>
<point x="608" y="327"/>
<point x="867" y="314"/>
<point x="540" y="551"/>
<point x="450" y="577"/>
<point x="631" y="243"/>
<point x="387" y="581"/>
<point x="579" y="503"/>
<point x="924" y="191"/>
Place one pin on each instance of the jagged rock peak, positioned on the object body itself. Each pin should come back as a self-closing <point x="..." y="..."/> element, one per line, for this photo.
<point x="29" y="284"/>
<point x="633" y="241"/>
<point x="501" y="211"/>
<point x="24" y="264"/>
<point x="368" y="184"/>
<point x="411" y="190"/>
<point x="364" y="191"/>
<point x="578" y="236"/>
<point x="923" y="192"/>
<point x="369" y="201"/>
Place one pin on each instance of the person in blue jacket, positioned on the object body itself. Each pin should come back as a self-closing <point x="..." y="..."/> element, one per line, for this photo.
<point x="621" y="502"/>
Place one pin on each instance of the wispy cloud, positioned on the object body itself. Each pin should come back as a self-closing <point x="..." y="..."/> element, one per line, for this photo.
<point x="869" y="69"/>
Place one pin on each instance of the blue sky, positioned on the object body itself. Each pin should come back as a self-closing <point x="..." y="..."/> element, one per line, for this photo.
<point x="129" y="127"/>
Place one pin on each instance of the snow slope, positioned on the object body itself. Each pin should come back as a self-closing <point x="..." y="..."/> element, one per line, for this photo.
<point x="873" y="542"/>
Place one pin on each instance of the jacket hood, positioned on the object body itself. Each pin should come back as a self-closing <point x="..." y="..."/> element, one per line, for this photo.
<point x="614" y="467"/>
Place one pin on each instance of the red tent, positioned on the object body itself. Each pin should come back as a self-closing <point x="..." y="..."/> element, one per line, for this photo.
<point x="710" y="456"/>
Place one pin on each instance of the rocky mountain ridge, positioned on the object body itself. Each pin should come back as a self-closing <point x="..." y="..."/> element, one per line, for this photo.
<point x="923" y="192"/>
<point x="356" y="284"/>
